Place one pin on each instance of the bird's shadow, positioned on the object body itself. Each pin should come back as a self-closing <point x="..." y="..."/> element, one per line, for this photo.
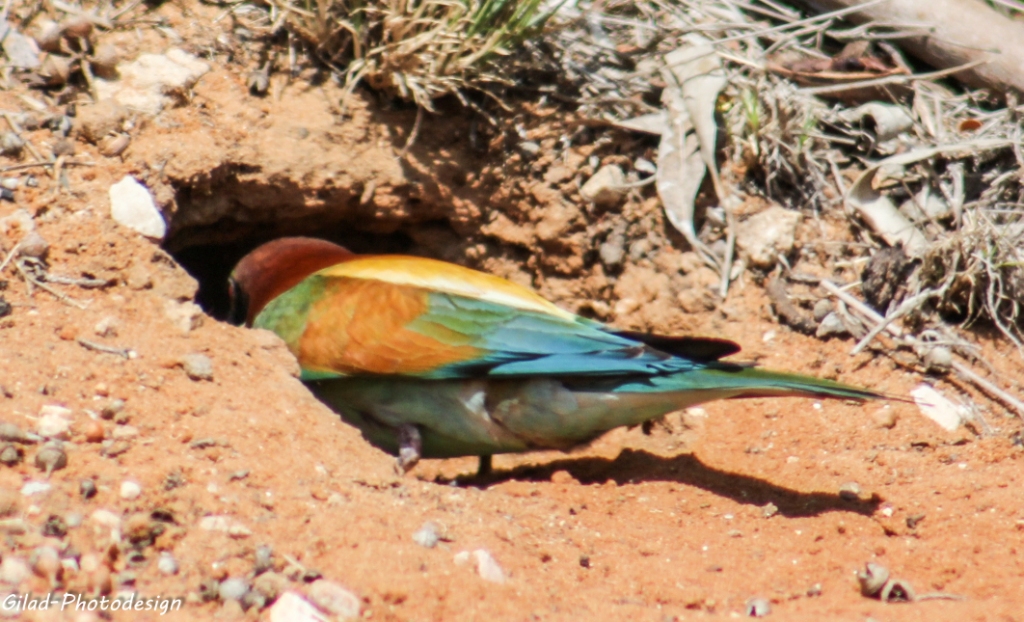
<point x="632" y="466"/>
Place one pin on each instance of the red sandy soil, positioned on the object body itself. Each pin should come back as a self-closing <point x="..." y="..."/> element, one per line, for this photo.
<point x="671" y="524"/>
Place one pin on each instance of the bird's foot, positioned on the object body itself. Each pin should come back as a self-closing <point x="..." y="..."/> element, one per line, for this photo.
<point x="410" y="446"/>
<point x="486" y="466"/>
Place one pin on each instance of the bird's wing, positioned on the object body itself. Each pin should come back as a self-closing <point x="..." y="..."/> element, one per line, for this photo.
<point x="429" y="319"/>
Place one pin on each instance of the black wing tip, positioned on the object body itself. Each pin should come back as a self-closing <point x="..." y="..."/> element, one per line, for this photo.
<point x="699" y="349"/>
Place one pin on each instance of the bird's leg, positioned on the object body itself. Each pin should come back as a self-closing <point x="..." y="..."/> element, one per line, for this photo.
<point x="485" y="467"/>
<point x="410" y="444"/>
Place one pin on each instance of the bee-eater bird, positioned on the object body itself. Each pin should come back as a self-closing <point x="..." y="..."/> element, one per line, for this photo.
<point x="431" y="359"/>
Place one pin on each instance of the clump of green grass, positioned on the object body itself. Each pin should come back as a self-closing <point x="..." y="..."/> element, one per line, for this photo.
<point x="417" y="50"/>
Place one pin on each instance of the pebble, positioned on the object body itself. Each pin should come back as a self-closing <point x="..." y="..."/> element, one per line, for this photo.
<point x="130" y="490"/>
<point x="233" y="588"/>
<point x="45" y="563"/>
<point x="186" y="316"/>
<point x="613" y="251"/>
<point x="11" y="144"/>
<point x="105" y="57"/>
<point x="253" y="599"/>
<point x="334" y="599"/>
<point x="33" y="245"/>
<point x="270" y="584"/>
<point x="53" y="426"/>
<point x="644" y="165"/>
<point x="14" y="526"/>
<point x="13" y="570"/>
<point x="938" y="360"/>
<point x="11" y="432"/>
<point x="757" y="607"/>
<point x="94" y="431"/>
<point x="111" y="408"/>
<point x="850" y="491"/>
<point x="486" y="566"/>
<point x="830" y="325"/>
<point x="197" y="366"/>
<point x="766" y="235"/>
<point x="822" y="308"/>
<point x="292" y="607"/>
<point x="167" y="564"/>
<point x="87" y="488"/>
<point x="263" y="559"/>
<point x="604" y="188"/>
<point x="132" y="205"/>
<point x="426" y="536"/>
<point x="125" y="431"/>
<point x="138" y="277"/>
<point x="529" y="148"/>
<point x="885" y="417"/>
<point x="872" y="579"/>
<point x="51" y="457"/>
<point x="55" y="527"/>
<point x="146" y="83"/>
<point x="225" y="524"/>
<point x="113" y="146"/>
<point x="107" y="327"/>
<point x="10" y="454"/>
<point x="34" y="488"/>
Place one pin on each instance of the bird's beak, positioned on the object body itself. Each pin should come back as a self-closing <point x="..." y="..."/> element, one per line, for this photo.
<point x="239" y="312"/>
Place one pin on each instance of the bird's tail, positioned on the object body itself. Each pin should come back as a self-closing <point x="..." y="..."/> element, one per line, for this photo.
<point x="726" y="380"/>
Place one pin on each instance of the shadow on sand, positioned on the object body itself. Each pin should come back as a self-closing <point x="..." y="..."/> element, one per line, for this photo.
<point x="632" y="466"/>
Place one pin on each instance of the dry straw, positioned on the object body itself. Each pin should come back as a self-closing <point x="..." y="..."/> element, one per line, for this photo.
<point x="416" y="50"/>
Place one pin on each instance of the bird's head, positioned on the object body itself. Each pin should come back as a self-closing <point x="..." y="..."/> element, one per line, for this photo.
<point x="273" y="269"/>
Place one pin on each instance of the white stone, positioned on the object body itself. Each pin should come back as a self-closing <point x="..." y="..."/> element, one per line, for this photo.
<point x="292" y="607"/>
<point x="225" y="524"/>
<point x="34" y="488"/>
<point x="107" y="327"/>
<point x="53" y="426"/>
<point x="487" y="567"/>
<point x="426" y="536"/>
<point x="605" y="187"/>
<point x="54" y="409"/>
<point x="14" y="570"/>
<point x="937" y="407"/>
<point x="215" y="523"/>
<point x="124" y="431"/>
<point x="334" y="599"/>
<point x="147" y="81"/>
<point x="132" y="205"/>
<point x="167" y="564"/>
<point x="106" y="518"/>
<point x="186" y="316"/>
<point x="830" y="325"/>
<point x="130" y="490"/>
<point x="764" y="236"/>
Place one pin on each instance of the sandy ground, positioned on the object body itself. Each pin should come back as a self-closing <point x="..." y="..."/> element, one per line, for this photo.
<point x="692" y="519"/>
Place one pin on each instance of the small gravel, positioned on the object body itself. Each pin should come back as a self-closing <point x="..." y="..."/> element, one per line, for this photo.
<point x="334" y="599"/>
<point x="197" y="366"/>
<point x="167" y="564"/>
<point x="233" y="588"/>
<point x="426" y="536"/>
<point x="130" y="490"/>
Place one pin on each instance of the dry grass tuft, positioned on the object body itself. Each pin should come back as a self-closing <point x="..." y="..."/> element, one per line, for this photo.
<point x="415" y="50"/>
